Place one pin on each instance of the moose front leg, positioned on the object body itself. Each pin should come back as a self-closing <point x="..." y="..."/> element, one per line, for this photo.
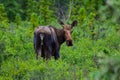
<point x="57" y="55"/>
<point x="56" y="51"/>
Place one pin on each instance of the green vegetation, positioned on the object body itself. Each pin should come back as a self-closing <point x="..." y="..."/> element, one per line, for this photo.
<point x="95" y="54"/>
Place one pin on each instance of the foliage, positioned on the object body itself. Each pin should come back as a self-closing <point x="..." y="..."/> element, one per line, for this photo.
<point x="3" y="15"/>
<point x="110" y="70"/>
<point x="96" y="49"/>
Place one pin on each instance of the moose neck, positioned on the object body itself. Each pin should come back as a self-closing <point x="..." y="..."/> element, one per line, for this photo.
<point x="60" y="36"/>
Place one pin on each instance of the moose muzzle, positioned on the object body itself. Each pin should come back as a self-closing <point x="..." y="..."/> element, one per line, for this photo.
<point x="69" y="43"/>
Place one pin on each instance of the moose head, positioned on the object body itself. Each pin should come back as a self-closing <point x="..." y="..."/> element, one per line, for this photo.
<point x="67" y="29"/>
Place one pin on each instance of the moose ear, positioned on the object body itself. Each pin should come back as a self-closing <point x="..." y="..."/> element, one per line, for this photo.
<point x="60" y="22"/>
<point x="74" y="23"/>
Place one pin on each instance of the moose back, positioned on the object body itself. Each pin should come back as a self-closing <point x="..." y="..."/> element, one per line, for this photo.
<point x="48" y="39"/>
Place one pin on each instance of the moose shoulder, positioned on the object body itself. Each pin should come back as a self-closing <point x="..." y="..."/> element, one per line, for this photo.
<point x="47" y="39"/>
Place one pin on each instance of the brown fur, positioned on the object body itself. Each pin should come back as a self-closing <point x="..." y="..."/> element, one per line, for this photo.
<point x="47" y="39"/>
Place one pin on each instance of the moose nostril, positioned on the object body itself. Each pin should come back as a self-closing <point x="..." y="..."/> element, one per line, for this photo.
<point x="69" y="42"/>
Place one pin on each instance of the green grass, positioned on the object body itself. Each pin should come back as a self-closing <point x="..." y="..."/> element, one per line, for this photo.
<point x="78" y="62"/>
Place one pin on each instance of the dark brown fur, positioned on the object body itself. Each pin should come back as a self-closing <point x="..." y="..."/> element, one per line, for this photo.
<point x="47" y="40"/>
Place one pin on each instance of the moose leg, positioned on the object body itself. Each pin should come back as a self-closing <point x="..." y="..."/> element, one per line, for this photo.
<point x="48" y="53"/>
<point x="57" y="55"/>
<point x="56" y="50"/>
<point x="35" y="45"/>
<point x="39" y="52"/>
<point x="43" y="52"/>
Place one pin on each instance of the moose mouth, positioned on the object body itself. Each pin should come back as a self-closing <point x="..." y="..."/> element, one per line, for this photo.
<point x="69" y="43"/>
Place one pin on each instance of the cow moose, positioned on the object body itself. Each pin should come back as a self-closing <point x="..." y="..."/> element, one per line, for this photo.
<point x="48" y="39"/>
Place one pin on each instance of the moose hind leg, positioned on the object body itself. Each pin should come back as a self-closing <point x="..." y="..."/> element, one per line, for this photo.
<point x="48" y="53"/>
<point x="39" y="51"/>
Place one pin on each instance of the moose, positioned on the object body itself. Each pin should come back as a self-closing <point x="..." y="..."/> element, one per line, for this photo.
<point x="48" y="39"/>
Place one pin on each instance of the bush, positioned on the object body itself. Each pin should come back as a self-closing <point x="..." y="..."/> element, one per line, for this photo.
<point x="109" y="71"/>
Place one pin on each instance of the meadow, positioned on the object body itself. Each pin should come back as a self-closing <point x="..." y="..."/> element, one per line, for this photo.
<point x="95" y="54"/>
